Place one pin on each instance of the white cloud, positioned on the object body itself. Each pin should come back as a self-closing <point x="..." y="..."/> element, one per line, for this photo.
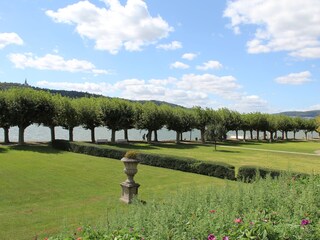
<point x="295" y="78"/>
<point x="10" y="38"/>
<point x="208" y="83"/>
<point x="250" y="103"/>
<point x="53" y="62"/>
<point x="189" y="56"/>
<point x="170" y="46"/>
<point x="97" y="88"/>
<point x="210" y="65"/>
<point x="190" y="90"/>
<point x="284" y="25"/>
<point x="179" y="65"/>
<point x="112" y="28"/>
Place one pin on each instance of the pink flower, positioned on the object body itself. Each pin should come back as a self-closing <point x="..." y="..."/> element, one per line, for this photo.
<point x="79" y="229"/>
<point x="238" y="220"/>
<point x="304" y="222"/>
<point x="211" y="237"/>
<point x="225" y="238"/>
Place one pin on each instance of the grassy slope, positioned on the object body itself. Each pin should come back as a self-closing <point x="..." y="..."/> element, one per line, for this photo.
<point x="43" y="190"/>
<point x="240" y="157"/>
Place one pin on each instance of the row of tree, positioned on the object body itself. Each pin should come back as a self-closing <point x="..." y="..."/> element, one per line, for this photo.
<point x="24" y="106"/>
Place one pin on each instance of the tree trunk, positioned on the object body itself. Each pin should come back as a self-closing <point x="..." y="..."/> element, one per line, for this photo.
<point x="286" y="134"/>
<point x="251" y="134"/>
<point x="306" y="134"/>
<point x="155" y="136"/>
<point x="276" y="135"/>
<point x="93" y="137"/>
<point x="271" y="136"/>
<point x="52" y="133"/>
<point x="178" y="137"/>
<point x="6" y="135"/>
<point x="126" y="135"/>
<point x="282" y="135"/>
<point x="21" y="135"/>
<point x="258" y="134"/>
<point x="113" y="135"/>
<point x="202" y="132"/>
<point x="149" y="136"/>
<point x="264" y="135"/>
<point x="71" y="134"/>
<point x="237" y="134"/>
<point x="244" y="135"/>
<point x="181" y="137"/>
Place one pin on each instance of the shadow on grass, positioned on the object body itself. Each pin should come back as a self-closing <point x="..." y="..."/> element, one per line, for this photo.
<point x="226" y="151"/>
<point x="132" y="146"/>
<point x="3" y="150"/>
<point x="36" y="147"/>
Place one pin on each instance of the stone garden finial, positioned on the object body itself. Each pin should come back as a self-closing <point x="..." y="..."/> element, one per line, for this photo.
<point x="129" y="187"/>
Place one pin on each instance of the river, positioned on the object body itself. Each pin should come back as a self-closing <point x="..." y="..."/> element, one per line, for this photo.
<point x="35" y="133"/>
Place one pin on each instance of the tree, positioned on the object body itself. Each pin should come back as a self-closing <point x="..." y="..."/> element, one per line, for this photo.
<point x="112" y="115"/>
<point x="202" y="120"/>
<point x="5" y="116"/>
<point x="49" y="111"/>
<point x="245" y="124"/>
<point x="309" y="125"/>
<point x="216" y="132"/>
<point x="24" y="108"/>
<point x="318" y="125"/>
<point x="180" y="120"/>
<point x="69" y="117"/>
<point x="89" y="114"/>
<point x="272" y="125"/>
<point x="150" y="117"/>
<point x="127" y="120"/>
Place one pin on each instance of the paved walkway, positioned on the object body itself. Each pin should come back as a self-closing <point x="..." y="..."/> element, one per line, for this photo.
<point x="267" y="150"/>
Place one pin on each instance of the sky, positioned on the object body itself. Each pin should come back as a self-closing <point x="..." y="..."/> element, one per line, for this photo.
<point x="245" y="55"/>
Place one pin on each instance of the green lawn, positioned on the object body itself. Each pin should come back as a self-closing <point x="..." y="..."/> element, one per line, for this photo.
<point x="241" y="156"/>
<point x="43" y="191"/>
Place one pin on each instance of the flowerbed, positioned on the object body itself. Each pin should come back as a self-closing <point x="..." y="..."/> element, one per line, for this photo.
<point x="285" y="208"/>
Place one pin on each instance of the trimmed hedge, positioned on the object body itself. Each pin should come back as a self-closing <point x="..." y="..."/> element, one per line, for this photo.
<point x="250" y="173"/>
<point x="214" y="169"/>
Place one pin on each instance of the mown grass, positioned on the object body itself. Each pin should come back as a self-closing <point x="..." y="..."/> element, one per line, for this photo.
<point x="242" y="156"/>
<point x="43" y="191"/>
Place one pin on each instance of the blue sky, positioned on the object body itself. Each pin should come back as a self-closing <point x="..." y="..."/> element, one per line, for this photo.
<point x="246" y="55"/>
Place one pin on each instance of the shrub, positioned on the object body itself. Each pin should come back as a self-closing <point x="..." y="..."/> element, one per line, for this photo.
<point x="250" y="173"/>
<point x="131" y="154"/>
<point x="220" y="170"/>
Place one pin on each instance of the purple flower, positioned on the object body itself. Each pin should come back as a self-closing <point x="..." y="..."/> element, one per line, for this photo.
<point x="225" y="238"/>
<point x="304" y="222"/>
<point x="211" y="237"/>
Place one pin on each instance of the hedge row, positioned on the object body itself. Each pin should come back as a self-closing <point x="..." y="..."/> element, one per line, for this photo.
<point x="214" y="169"/>
<point x="250" y="173"/>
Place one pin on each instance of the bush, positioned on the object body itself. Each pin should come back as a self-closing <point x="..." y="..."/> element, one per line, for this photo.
<point x="220" y="170"/>
<point x="250" y="173"/>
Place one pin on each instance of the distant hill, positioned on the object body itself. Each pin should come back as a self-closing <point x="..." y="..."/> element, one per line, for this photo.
<point x="304" y="114"/>
<point x="72" y="94"/>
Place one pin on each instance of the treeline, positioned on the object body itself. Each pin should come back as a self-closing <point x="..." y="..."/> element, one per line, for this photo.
<point x="22" y="107"/>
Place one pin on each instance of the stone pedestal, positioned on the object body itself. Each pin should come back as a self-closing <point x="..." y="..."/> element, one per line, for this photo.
<point x="129" y="191"/>
<point x="129" y="187"/>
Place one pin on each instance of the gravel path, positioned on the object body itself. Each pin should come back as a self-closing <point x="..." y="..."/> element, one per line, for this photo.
<point x="317" y="153"/>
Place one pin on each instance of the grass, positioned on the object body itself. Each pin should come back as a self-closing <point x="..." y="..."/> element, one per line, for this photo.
<point x="44" y="190"/>
<point x="241" y="155"/>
